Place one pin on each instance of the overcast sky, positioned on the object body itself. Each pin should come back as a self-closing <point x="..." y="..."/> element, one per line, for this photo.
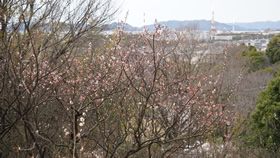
<point x="225" y="10"/>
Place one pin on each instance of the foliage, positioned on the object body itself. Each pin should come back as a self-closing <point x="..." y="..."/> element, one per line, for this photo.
<point x="273" y="49"/>
<point x="247" y="36"/>
<point x="265" y="120"/>
<point x="255" y="59"/>
<point x="270" y="70"/>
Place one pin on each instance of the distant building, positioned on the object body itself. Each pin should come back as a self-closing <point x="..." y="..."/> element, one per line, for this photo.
<point x="260" y="44"/>
<point x="223" y="38"/>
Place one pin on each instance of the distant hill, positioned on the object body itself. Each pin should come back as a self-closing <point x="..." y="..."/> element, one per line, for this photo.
<point x="115" y="25"/>
<point x="261" y="25"/>
<point x="205" y="25"/>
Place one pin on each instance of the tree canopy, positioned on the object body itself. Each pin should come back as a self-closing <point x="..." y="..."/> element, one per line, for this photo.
<point x="266" y="124"/>
<point x="255" y="59"/>
<point x="273" y="49"/>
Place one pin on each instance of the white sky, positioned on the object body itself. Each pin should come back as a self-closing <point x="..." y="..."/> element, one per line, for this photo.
<point x="225" y="10"/>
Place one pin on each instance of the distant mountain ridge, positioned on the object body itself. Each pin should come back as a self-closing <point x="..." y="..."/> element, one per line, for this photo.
<point x="116" y="25"/>
<point x="205" y="25"/>
<point x="262" y="25"/>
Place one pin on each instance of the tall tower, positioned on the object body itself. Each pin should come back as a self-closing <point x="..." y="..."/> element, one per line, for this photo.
<point x="233" y="24"/>
<point x="213" y="29"/>
<point x="144" y="24"/>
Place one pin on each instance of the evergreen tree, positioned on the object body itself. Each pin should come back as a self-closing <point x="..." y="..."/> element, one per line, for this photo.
<point x="265" y="120"/>
<point x="255" y="59"/>
<point x="273" y="49"/>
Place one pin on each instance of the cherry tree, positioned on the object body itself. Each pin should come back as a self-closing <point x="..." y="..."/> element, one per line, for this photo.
<point x="126" y="99"/>
<point x="37" y="41"/>
<point x="157" y="108"/>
